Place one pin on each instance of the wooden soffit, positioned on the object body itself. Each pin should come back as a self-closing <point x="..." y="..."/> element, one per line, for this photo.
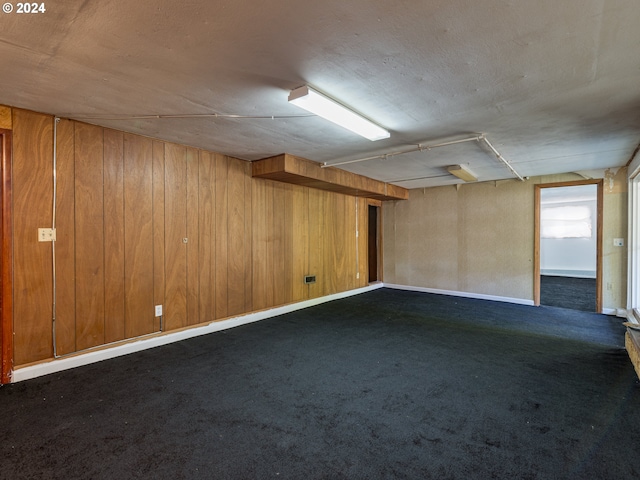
<point x="300" y="171"/>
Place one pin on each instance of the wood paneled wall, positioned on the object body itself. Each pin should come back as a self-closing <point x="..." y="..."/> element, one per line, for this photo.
<point x="142" y="222"/>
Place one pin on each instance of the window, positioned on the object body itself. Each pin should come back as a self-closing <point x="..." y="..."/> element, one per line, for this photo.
<point x="571" y="221"/>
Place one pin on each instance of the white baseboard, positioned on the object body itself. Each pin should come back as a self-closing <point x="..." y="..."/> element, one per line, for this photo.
<point x="569" y="273"/>
<point x="479" y="296"/>
<point x="131" y="346"/>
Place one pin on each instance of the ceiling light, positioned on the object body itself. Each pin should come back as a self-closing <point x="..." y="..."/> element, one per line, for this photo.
<point x="309" y="99"/>
<point x="462" y="172"/>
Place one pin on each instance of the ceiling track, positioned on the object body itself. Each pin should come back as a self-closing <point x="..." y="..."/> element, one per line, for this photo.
<point x="422" y="148"/>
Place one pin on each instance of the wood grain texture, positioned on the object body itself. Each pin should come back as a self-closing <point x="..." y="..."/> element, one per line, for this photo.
<point x="113" y="236"/>
<point x="248" y="238"/>
<point x="89" y="241"/>
<point x="32" y="200"/>
<point x="125" y="204"/>
<point x="298" y="242"/>
<point x="65" y="240"/>
<point x="138" y="235"/>
<point x="222" y="242"/>
<point x="316" y="242"/>
<point x="300" y="171"/>
<point x="6" y="263"/>
<point x="158" y="230"/>
<point x="175" y="310"/>
<point x="206" y="241"/>
<point x="193" y="236"/>
<point x="6" y="122"/>
<point x="237" y="257"/>
<point x="262" y="199"/>
<point x="277" y="251"/>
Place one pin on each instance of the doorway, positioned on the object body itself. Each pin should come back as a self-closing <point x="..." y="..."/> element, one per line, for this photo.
<point x="6" y="296"/>
<point x="373" y="243"/>
<point x="568" y="245"/>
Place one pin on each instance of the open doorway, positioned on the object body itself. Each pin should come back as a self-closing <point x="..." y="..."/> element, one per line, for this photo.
<point x="6" y="296"/>
<point x="373" y="243"/>
<point x="568" y="250"/>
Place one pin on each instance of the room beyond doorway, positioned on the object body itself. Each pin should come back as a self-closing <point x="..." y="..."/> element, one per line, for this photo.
<point x="373" y="243"/>
<point x="568" y="250"/>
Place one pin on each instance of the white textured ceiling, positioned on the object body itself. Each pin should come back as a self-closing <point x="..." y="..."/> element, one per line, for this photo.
<point x="555" y="85"/>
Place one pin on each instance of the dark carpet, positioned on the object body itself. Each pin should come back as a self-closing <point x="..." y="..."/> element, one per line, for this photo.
<point x="386" y="384"/>
<point x="568" y="292"/>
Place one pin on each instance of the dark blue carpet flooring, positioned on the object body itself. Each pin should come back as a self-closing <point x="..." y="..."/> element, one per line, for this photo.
<point x="383" y="385"/>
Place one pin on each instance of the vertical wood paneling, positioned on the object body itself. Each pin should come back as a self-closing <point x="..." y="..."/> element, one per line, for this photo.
<point x="221" y="215"/>
<point x="299" y="242"/>
<point x="236" y="239"/>
<point x="65" y="240"/>
<point x="138" y="235"/>
<point x="89" y="218"/>
<point x="158" y="230"/>
<point x="280" y="280"/>
<point x="193" y="235"/>
<point x="125" y="203"/>
<point x="288" y="245"/>
<point x="114" y="235"/>
<point x="175" y="231"/>
<point x="261" y="272"/>
<point x="206" y="240"/>
<point x="316" y="241"/>
<point x="248" y="238"/>
<point x="32" y="200"/>
<point x="6" y="257"/>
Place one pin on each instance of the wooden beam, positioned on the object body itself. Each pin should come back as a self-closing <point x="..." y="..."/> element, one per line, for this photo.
<point x="299" y="171"/>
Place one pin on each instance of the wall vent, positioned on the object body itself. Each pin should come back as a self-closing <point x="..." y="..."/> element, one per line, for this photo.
<point x="309" y="279"/>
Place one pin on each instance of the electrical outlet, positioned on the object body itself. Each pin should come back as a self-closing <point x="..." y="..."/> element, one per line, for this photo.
<point x="46" y="234"/>
<point x="158" y="310"/>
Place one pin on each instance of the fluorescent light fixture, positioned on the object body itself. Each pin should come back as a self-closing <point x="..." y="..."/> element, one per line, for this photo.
<point x="462" y="172"/>
<point x="314" y="102"/>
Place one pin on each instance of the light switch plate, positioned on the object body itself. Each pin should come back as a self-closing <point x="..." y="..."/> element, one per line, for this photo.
<point x="46" y="234"/>
<point x="158" y="310"/>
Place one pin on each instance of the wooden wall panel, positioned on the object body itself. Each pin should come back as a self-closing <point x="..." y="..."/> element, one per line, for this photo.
<point x="175" y="308"/>
<point x="125" y="204"/>
<point x="89" y="241"/>
<point x="248" y="238"/>
<point x="158" y="231"/>
<point x="235" y="238"/>
<point x="206" y="241"/>
<point x="65" y="240"/>
<point x="32" y="201"/>
<point x="298" y="247"/>
<point x="221" y="216"/>
<point x="114" y="236"/>
<point x="138" y="235"/>
<point x="279" y="278"/>
<point x="316" y="241"/>
<point x="262" y="273"/>
<point x="193" y="236"/>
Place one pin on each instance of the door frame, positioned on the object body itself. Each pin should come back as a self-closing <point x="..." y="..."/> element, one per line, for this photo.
<point x="536" y="249"/>
<point x="6" y="260"/>
<point x="378" y="206"/>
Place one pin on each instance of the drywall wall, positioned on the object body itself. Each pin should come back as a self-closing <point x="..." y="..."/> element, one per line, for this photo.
<point x="479" y="238"/>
